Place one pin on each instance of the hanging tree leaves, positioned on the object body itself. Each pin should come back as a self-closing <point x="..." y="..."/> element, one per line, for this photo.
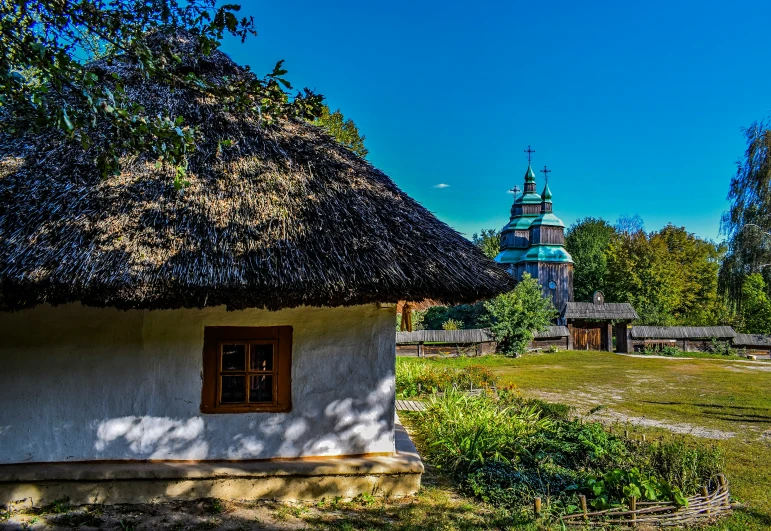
<point x="749" y="219"/>
<point x="46" y="80"/>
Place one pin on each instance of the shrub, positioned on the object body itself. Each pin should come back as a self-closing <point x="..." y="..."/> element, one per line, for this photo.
<point x="506" y="485"/>
<point x="465" y="431"/>
<point x="682" y="466"/>
<point x="508" y="449"/>
<point x="416" y="378"/>
<point x="515" y="315"/>
<point x="616" y="486"/>
<point x="452" y="324"/>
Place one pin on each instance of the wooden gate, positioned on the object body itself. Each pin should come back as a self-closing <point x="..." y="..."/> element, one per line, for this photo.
<point x="587" y="337"/>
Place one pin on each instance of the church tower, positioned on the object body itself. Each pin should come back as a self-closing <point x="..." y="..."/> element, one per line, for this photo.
<point x="533" y="241"/>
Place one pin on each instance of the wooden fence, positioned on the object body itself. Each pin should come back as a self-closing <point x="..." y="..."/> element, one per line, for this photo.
<point x="701" y="507"/>
<point x="472" y="342"/>
<point x="455" y="337"/>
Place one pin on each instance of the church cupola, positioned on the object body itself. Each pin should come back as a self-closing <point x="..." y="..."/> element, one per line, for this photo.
<point x="533" y="241"/>
<point x="546" y="203"/>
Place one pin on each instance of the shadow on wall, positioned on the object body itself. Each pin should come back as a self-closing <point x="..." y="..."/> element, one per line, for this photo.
<point x="345" y="426"/>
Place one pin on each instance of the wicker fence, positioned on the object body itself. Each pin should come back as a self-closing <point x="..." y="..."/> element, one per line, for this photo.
<point x="705" y="506"/>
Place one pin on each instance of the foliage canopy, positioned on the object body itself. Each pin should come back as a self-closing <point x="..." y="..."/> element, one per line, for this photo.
<point x="516" y="315"/>
<point x="47" y="81"/>
<point x="489" y="241"/>
<point x="344" y="130"/>
<point x="748" y="221"/>
<point x="587" y="240"/>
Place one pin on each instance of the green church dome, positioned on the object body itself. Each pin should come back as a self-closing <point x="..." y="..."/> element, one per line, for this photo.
<point x="547" y="219"/>
<point x="548" y="253"/>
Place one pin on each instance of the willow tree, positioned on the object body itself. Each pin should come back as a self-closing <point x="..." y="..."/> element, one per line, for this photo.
<point x="748" y="221"/>
<point x="46" y="80"/>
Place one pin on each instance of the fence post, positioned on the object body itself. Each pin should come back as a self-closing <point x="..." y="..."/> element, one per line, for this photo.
<point x="633" y="507"/>
<point x="537" y="507"/>
<point x="583" y="504"/>
<point x="705" y="493"/>
<point x="420" y="350"/>
<point x="722" y="480"/>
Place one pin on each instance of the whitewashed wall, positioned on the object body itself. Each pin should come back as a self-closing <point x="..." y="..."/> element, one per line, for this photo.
<point x="82" y="383"/>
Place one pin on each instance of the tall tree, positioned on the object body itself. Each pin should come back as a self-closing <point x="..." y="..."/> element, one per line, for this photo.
<point x="587" y="240"/>
<point x="749" y="217"/>
<point x="344" y="130"/>
<point x="669" y="276"/>
<point x="46" y="81"/>
<point x="489" y="240"/>
<point x="755" y="317"/>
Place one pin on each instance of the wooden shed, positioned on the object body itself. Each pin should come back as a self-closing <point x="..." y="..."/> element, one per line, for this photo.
<point x="753" y="343"/>
<point x="591" y="324"/>
<point x="686" y="338"/>
<point x="553" y="336"/>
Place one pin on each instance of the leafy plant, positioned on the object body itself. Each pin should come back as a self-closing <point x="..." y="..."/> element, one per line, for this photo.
<point x="516" y="315"/>
<point x="616" y="486"/>
<point x="47" y="81"/>
<point x="452" y="324"/>
<point x="415" y="378"/>
<point x="464" y="431"/>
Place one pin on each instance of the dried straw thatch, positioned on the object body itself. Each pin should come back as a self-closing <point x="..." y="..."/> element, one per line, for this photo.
<point x="285" y="217"/>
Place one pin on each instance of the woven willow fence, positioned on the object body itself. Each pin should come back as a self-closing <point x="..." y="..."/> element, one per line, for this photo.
<point x="706" y="506"/>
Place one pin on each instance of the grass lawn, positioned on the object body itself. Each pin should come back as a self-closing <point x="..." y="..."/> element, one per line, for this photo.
<point x="722" y="402"/>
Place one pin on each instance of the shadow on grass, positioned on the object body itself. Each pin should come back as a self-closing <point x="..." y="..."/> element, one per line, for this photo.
<point x="753" y="415"/>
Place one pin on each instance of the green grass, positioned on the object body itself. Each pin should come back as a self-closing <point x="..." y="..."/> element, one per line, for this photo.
<point x="726" y="397"/>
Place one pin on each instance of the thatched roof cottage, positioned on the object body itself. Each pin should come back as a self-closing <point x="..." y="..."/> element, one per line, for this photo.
<point x="161" y="344"/>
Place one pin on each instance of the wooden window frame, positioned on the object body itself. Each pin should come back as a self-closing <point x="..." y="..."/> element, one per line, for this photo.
<point x="215" y="336"/>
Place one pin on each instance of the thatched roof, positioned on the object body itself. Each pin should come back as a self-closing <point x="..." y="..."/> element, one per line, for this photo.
<point x="285" y="217"/>
<point x="604" y="311"/>
<point x="552" y="332"/>
<point x="682" y="332"/>
<point x="752" y="340"/>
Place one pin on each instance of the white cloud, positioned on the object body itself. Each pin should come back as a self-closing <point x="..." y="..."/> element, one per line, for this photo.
<point x="441" y="185"/>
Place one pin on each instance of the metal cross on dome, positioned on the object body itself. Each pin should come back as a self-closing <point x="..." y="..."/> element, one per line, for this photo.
<point x="515" y="190"/>
<point x="529" y="153"/>
<point x="546" y="173"/>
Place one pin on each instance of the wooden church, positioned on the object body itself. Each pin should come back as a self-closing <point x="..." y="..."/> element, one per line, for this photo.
<point x="533" y="241"/>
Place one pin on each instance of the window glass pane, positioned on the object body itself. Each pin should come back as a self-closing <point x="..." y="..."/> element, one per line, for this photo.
<point x="261" y="388"/>
<point x="233" y="390"/>
<point x="233" y="357"/>
<point x="262" y="358"/>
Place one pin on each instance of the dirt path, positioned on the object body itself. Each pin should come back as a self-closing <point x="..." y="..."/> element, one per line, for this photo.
<point x="585" y="403"/>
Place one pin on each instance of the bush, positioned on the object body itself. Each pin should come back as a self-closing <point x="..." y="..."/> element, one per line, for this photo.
<point x="515" y="315"/>
<point x="452" y="324"/>
<point x="682" y="466"/>
<point x="471" y="315"/>
<point x="507" y="449"/>
<point x="417" y="378"/>
<point x="505" y="485"/>
<point x="464" y="431"/>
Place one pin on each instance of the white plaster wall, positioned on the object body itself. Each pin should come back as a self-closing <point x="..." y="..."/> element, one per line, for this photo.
<point x="81" y="383"/>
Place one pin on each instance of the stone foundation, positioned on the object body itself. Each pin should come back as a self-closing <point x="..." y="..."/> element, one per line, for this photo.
<point x="143" y="482"/>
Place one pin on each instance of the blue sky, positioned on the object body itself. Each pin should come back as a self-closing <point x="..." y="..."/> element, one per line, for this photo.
<point x="637" y="108"/>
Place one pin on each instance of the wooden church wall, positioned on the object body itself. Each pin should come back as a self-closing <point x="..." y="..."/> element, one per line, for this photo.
<point x="561" y="273"/>
<point x="552" y="235"/>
